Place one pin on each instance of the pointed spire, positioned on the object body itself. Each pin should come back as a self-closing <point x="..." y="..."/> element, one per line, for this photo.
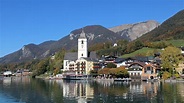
<point x="82" y="35"/>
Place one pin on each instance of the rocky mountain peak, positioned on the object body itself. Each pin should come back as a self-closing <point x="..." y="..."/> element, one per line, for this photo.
<point x="94" y="33"/>
<point x="133" y="31"/>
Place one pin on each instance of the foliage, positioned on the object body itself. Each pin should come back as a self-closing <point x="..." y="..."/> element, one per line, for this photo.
<point x="42" y="67"/>
<point x="176" y="75"/>
<point x="170" y="58"/>
<point x="107" y="48"/>
<point x="166" y="75"/>
<point x="104" y="71"/>
<point x="57" y="71"/>
<point x="158" y="45"/>
<point x="111" y="65"/>
<point x="115" y="72"/>
<point x="93" y="72"/>
<point x="135" y="45"/>
<point x="119" y="72"/>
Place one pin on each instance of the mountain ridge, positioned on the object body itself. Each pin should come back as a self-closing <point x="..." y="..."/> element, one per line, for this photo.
<point x="172" y="28"/>
<point x="94" y="34"/>
<point x="134" y="31"/>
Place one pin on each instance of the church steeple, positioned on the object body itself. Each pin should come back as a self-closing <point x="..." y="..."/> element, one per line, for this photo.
<point x="82" y="35"/>
<point x="82" y="45"/>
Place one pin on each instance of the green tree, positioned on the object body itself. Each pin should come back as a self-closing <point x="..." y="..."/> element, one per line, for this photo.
<point x="42" y="67"/>
<point x="111" y="65"/>
<point x="138" y="44"/>
<point x="122" y="42"/>
<point x="170" y="57"/>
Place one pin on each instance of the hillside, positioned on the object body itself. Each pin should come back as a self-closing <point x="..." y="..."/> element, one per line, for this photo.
<point x="145" y="51"/>
<point x="141" y="52"/>
<point x="134" y="31"/>
<point x="172" y="28"/>
<point x="94" y="33"/>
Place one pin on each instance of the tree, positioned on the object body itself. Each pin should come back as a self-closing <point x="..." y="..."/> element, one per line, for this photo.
<point x="42" y="67"/>
<point x="122" y="42"/>
<point x="104" y="71"/>
<point x="138" y="44"/>
<point x="57" y="71"/>
<point x="170" y="58"/>
<point x="111" y="65"/>
<point x="94" y="72"/>
<point x="119" y="72"/>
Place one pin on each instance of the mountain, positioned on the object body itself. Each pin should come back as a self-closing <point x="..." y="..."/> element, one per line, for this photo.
<point x="94" y="34"/>
<point x="134" y="31"/>
<point x="172" y="28"/>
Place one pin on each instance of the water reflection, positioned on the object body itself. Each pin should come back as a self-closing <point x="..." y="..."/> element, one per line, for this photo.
<point x="58" y="91"/>
<point x="79" y="90"/>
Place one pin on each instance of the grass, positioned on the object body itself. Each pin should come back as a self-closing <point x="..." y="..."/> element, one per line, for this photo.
<point x="176" y="43"/>
<point x="144" y="52"/>
<point x="150" y="51"/>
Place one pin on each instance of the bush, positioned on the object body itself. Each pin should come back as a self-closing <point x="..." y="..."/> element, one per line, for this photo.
<point x="166" y="75"/>
<point x="177" y="75"/>
<point x="111" y="65"/>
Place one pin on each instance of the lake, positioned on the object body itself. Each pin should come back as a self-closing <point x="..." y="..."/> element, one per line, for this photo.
<point x="27" y="90"/>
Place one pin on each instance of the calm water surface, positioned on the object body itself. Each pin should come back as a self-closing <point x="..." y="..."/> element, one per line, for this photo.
<point x="26" y="90"/>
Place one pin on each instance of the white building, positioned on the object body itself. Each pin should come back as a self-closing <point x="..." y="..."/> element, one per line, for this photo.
<point x="7" y="73"/>
<point x="80" y="62"/>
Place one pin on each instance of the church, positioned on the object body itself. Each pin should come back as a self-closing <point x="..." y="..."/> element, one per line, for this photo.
<point x="81" y="62"/>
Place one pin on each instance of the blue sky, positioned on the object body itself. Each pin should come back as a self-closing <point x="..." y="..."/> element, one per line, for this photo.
<point x="35" y="21"/>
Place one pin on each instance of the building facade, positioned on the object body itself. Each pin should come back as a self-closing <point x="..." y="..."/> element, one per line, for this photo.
<point x="81" y="62"/>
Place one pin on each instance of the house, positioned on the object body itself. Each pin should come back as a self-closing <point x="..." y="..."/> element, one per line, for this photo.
<point x="149" y="71"/>
<point x="124" y="62"/>
<point x="108" y="59"/>
<point x="85" y="65"/>
<point x="120" y="62"/>
<point x="81" y="62"/>
<point x="7" y="73"/>
<point x="142" y="58"/>
<point x="135" y="70"/>
<point x="143" y="71"/>
<point x="23" y="72"/>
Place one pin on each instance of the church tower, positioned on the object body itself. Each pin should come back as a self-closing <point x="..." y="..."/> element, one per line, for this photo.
<point x="82" y="45"/>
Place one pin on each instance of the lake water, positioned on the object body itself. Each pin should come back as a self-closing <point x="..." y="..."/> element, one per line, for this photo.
<point x="26" y="90"/>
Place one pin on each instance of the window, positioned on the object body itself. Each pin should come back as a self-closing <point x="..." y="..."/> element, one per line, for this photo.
<point x="148" y="68"/>
<point x="82" y="55"/>
<point x="82" y="42"/>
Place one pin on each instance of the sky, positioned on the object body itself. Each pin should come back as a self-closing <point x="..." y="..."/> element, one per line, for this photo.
<point x="34" y="21"/>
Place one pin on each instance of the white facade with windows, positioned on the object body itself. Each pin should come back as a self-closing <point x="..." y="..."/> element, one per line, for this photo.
<point x="80" y="62"/>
